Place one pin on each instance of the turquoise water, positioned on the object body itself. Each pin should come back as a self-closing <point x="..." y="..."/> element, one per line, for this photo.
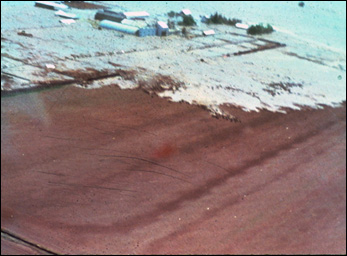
<point x="319" y="22"/>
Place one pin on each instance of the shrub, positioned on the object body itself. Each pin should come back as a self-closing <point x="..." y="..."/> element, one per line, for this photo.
<point x="172" y="14"/>
<point x="188" y="20"/>
<point x="219" y="19"/>
<point x="260" y="29"/>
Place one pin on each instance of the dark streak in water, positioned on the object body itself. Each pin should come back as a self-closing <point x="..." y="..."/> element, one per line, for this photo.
<point x="86" y="186"/>
<point x="160" y="173"/>
<point x="55" y="174"/>
<point x="122" y="126"/>
<point x="59" y="138"/>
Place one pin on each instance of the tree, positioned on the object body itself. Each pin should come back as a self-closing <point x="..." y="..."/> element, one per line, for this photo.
<point x="188" y="20"/>
<point x="260" y="29"/>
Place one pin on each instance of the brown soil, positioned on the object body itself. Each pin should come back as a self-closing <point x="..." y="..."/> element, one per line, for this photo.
<point x="85" y="76"/>
<point x="23" y="33"/>
<point x="270" y="45"/>
<point x="276" y="88"/>
<point x="83" y="5"/>
<point x="112" y="171"/>
<point x="159" y="83"/>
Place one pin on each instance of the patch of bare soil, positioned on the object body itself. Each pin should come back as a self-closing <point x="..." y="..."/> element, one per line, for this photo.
<point x="268" y="46"/>
<point x="85" y="76"/>
<point x="275" y="88"/>
<point x="7" y="82"/>
<point x="23" y="33"/>
<point x="159" y="83"/>
<point x="305" y="58"/>
<point x="83" y="5"/>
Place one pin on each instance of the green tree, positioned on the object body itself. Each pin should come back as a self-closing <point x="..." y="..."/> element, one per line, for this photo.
<point x="188" y="20"/>
<point x="260" y="29"/>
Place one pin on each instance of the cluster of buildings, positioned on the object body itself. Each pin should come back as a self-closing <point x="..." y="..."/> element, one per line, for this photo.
<point x="136" y="23"/>
<point x="131" y="23"/>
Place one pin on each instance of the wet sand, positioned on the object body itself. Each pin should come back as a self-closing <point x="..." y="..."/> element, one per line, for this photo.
<point x="110" y="171"/>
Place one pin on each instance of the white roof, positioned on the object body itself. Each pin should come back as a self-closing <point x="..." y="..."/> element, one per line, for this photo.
<point x="162" y="24"/>
<point x="65" y="21"/>
<point x="136" y="14"/>
<point x="65" y="14"/>
<point x="186" y="12"/>
<point x="242" y="26"/>
<point x="55" y="5"/>
<point x="208" y="32"/>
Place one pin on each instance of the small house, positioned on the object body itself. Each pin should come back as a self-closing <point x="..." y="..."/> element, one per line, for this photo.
<point x="162" y="29"/>
<point x="208" y="32"/>
<point x="241" y="26"/>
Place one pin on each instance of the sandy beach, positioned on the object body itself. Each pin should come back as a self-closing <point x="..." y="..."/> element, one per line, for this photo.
<point x="168" y="145"/>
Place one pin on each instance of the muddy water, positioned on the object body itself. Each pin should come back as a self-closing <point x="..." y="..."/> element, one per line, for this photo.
<point x="83" y="168"/>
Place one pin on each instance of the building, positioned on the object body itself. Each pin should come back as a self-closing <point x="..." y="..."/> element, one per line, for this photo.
<point x="114" y="15"/>
<point x="146" y="31"/>
<point x="162" y="29"/>
<point x="109" y="14"/>
<point x="119" y="27"/>
<point x="241" y="26"/>
<point x="67" y="15"/>
<point x="208" y="32"/>
<point x="51" y="5"/>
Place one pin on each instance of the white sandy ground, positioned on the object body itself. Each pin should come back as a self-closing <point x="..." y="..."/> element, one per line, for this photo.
<point x="317" y="73"/>
<point x="243" y="80"/>
<point x="243" y="84"/>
